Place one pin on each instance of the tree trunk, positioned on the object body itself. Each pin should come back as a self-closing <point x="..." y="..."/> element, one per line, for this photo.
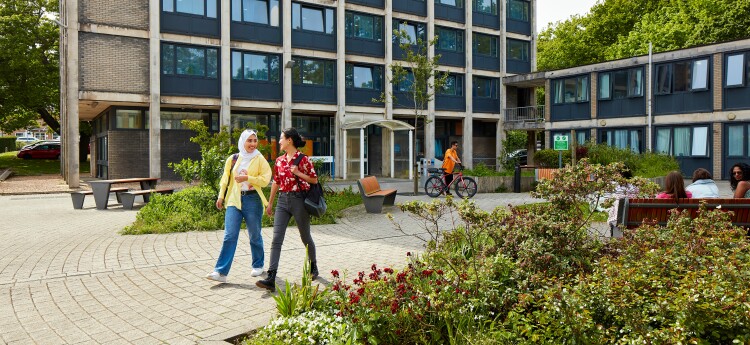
<point x="51" y="122"/>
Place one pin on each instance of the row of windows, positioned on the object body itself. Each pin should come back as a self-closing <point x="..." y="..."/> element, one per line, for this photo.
<point x="621" y="84"/>
<point x="737" y="70"/>
<point x="571" y="90"/>
<point x="267" y="11"/>
<point x="681" y="141"/>
<point x="683" y="76"/>
<point x="189" y="61"/>
<point x="314" y="19"/>
<point x="254" y="66"/>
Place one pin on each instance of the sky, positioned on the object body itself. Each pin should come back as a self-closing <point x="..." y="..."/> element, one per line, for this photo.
<point x="550" y="11"/>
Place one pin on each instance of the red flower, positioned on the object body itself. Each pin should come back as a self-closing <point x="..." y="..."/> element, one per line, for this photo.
<point x="394" y="306"/>
<point x="335" y="273"/>
<point x="374" y="267"/>
<point x="353" y="298"/>
<point x="426" y="273"/>
<point x="388" y="270"/>
<point x="440" y="272"/>
<point x="361" y="291"/>
<point x="408" y="253"/>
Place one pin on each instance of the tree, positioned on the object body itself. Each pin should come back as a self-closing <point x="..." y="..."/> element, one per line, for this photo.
<point x="29" y="64"/>
<point x="418" y="76"/>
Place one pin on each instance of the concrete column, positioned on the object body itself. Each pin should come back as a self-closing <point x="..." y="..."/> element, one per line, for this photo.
<point x="70" y="132"/>
<point x="392" y="163"/>
<point x="503" y="68"/>
<point x="530" y="146"/>
<point x="286" y="24"/>
<point x="361" y="153"/>
<point x="339" y="158"/>
<point x="388" y="39"/>
<point x="499" y="143"/>
<point x="466" y="140"/>
<point x="154" y="127"/>
<point x="411" y="153"/>
<point x="533" y="19"/>
<point x="429" y="128"/>
<point x="226" y="65"/>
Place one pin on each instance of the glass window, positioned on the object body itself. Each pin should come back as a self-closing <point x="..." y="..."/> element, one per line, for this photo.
<point x="237" y="65"/>
<point x="620" y="84"/>
<point x="623" y="138"/>
<point x="485" y="45"/>
<point x="700" y="75"/>
<point x="486" y="6"/>
<point x="570" y="90"/>
<point x="604" y="86"/>
<point x="211" y="8"/>
<point x="256" y="11"/>
<point x="256" y="67"/>
<point x="411" y="33"/>
<point x="454" y="3"/>
<point x="253" y="66"/>
<point x="364" y="26"/>
<point x="559" y="92"/>
<point x="735" y="66"/>
<point x="582" y="84"/>
<point x="128" y="118"/>
<point x="212" y="63"/>
<point x="485" y="88"/>
<point x="735" y="140"/>
<point x="330" y="22"/>
<point x="312" y="19"/>
<point x="518" y="10"/>
<point x="173" y="119"/>
<point x="635" y="82"/>
<point x="449" y="39"/>
<point x="682" y="139"/>
<point x="296" y="21"/>
<point x="314" y="72"/>
<point x="681" y="77"/>
<point x="192" y="61"/>
<point x="167" y="5"/>
<point x="405" y="85"/>
<point x="363" y="77"/>
<point x="167" y="59"/>
<point x="518" y="50"/>
<point x="414" y="31"/>
<point x="273" y="12"/>
<point x="454" y="86"/>
<point x="237" y="10"/>
<point x="663" y="140"/>
<point x="663" y="79"/>
<point x="700" y="141"/>
<point x="191" y="6"/>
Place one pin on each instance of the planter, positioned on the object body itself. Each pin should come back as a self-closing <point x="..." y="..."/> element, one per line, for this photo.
<point x="490" y="184"/>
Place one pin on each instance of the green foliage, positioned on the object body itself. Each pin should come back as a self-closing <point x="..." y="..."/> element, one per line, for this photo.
<point x="514" y="140"/>
<point x="215" y="148"/>
<point x="312" y="327"/>
<point x="7" y="144"/>
<point x="297" y="299"/>
<point x="646" y="164"/>
<point x="550" y="158"/>
<point x="616" y="29"/>
<point x="481" y="169"/>
<point x="190" y="209"/>
<point x="29" y="63"/>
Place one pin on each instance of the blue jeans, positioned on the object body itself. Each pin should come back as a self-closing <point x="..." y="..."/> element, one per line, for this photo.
<point x="252" y="211"/>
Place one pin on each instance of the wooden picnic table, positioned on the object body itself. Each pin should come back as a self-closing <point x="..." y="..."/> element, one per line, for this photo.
<point x="101" y="188"/>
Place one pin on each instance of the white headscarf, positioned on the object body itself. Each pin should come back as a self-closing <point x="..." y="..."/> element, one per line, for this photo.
<point x="247" y="156"/>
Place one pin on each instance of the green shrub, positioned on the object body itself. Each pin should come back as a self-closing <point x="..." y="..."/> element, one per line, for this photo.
<point x="7" y="144"/>
<point x="550" y="158"/>
<point x="480" y="169"/>
<point x="192" y="208"/>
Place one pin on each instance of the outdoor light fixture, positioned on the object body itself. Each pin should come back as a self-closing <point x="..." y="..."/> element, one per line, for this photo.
<point x="290" y="64"/>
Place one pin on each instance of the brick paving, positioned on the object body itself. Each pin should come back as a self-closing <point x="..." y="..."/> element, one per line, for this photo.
<point x="68" y="277"/>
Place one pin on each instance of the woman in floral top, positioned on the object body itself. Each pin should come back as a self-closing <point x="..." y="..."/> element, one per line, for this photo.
<point x="290" y="181"/>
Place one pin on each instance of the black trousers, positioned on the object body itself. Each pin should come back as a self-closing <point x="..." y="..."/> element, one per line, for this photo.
<point x="448" y="180"/>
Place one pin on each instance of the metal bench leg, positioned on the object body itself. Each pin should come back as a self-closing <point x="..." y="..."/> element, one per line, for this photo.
<point x="127" y="201"/>
<point x="77" y="200"/>
<point x="119" y="198"/>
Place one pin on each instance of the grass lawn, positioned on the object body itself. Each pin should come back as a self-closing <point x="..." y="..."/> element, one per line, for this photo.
<point x="31" y="167"/>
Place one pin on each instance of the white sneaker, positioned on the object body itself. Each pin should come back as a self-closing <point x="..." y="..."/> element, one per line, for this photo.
<point x="256" y="272"/>
<point x="216" y="276"/>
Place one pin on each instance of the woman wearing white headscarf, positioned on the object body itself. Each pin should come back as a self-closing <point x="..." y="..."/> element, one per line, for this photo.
<point x="240" y="187"/>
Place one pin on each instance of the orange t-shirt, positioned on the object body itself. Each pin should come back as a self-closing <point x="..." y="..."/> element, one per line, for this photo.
<point x="449" y="164"/>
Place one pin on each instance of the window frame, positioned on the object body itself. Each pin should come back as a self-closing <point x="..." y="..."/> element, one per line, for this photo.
<point x="205" y="8"/>
<point x="329" y="66"/>
<point x="493" y="6"/>
<point x="174" y="61"/>
<point x="420" y="31"/>
<point x="527" y="10"/>
<point x="458" y="33"/>
<point x="576" y="98"/>
<point x="242" y="19"/>
<point x="268" y="67"/>
<point x="493" y="87"/>
<point x="744" y="70"/>
<point x="525" y="44"/>
<point x="494" y="43"/>
<point x="325" y="18"/>
<point x="692" y="128"/>
<point x="671" y="70"/>
<point x="376" y="71"/>
<point x="628" y="84"/>
<point x="602" y="137"/>
<point x="459" y="85"/>
<point x="375" y="18"/>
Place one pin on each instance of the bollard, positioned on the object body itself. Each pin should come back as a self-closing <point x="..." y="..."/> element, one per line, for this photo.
<point x="517" y="179"/>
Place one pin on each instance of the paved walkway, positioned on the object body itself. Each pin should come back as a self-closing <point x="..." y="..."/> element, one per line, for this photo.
<point x="68" y="277"/>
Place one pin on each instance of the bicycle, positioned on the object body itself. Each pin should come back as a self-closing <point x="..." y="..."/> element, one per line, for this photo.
<point x="465" y="187"/>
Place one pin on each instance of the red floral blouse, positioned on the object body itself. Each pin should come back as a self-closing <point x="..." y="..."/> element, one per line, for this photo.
<point x="289" y="182"/>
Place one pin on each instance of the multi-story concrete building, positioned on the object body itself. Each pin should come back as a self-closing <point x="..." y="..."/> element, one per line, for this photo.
<point x="691" y="103"/>
<point x="137" y="68"/>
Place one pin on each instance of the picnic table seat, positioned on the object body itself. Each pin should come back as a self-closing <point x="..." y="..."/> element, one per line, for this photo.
<point x="79" y="196"/>
<point x="373" y="197"/>
<point x="128" y="198"/>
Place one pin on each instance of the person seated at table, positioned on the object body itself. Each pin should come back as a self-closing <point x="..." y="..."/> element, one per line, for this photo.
<point x="703" y="185"/>
<point x="674" y="187"/>
<point x="739" y="180"/>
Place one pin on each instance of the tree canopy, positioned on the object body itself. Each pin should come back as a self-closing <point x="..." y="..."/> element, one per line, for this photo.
<point x="29" y="64"/>
<point x="616" y="29"/>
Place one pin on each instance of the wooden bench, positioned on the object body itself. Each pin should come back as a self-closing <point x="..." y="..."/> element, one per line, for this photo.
<point x="634" y="212"/>
<point x="373" y="197"/>
<point x="128" y="198"/>
<point x="79" y="196"/>
<point x="544" y="173"/>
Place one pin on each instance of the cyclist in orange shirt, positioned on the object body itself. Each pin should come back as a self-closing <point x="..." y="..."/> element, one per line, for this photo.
<point x="449" y="162"/>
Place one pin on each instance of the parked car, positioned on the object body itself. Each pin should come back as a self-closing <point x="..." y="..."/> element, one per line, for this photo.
<point x="42" y="151"/>
<point x="26" y="140"/>
<point x="53" y="141"/>
<point x="521" y="155"/>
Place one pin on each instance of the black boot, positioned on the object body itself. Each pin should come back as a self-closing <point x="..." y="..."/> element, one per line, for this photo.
<point x="269" y="283"/>
<point x="314" y="269"/>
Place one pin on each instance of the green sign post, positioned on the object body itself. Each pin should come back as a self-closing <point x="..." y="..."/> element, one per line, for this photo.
<point x="561" y="144"/>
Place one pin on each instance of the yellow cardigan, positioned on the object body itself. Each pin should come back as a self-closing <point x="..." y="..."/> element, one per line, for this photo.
<point x="258" y="175"/>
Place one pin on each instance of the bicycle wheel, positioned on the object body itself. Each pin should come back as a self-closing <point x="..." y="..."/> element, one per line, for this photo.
<point x="466" y="187"/>
<point x="434" y="186"/>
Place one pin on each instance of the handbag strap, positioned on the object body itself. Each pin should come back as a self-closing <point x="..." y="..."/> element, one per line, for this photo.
<point x="296" y="162"/>
<point x="234" y="161"/>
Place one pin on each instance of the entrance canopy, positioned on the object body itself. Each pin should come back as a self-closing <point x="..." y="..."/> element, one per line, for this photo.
<point x="394" y="125"/>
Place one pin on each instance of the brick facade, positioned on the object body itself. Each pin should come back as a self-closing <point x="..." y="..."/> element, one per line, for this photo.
<point x="717" y="149"/>
<point x="592" y="93"/>
<point x="129" y="14"/>
<point x="547" y="100"/>
<point x="128" y="153"/>
<point x="175" y="146"/>
<point x="113" y="63"/>
<point x="717" y="83"/>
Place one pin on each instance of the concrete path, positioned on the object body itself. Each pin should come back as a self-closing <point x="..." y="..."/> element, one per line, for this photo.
<point x="68" y="277"/>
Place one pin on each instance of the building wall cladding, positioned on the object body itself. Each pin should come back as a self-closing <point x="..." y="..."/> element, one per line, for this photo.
<point x="128" y="153"/>
<point x="176" y="146"/>
<point x="113" y="63"/>
<point x="128" y="14"/>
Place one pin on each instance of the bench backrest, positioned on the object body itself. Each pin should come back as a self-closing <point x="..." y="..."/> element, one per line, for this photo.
<point x="633" y="212"/>
<point x="369" y="185"/>
<point x="544" y="173"/>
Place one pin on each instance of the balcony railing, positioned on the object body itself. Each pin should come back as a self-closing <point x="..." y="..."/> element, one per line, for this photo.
<point x="525" y="114"/>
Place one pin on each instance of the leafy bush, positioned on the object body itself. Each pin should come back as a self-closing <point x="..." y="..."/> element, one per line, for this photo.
<point x="514" y="140"/>
<point x="7" y="144"/>
<point x="549" y="158"/>
<point x="186" y="210"/>
<point x="480" y="169"/>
